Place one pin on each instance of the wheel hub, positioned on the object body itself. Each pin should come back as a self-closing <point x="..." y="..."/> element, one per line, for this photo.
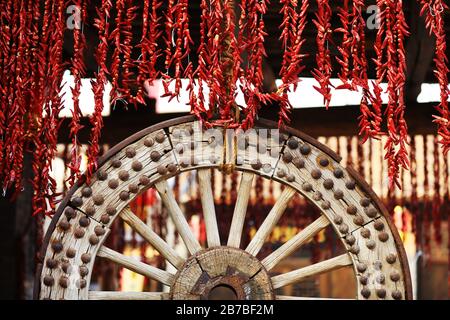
<point x="222" y="273"/>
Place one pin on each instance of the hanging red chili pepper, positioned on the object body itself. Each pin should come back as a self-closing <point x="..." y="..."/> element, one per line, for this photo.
<point x="396" y="152"/>
<point x="44" y="185"/>
<point x="178" y="41"/>
<point x="251" y="42"/>
<point x="98" y="86"/>
<point x="77" y="70"/>
<point x="322" y="73"/>
<point x="116" y="63"/>
<point x="293" y="26"/>
<point x="345" y="47"/>
<point x="149" y="47"/>
<point x="434" y="11"/>
<point x="128" y="79"/>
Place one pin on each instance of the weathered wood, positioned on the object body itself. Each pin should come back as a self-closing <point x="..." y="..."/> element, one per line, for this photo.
<point x="240" y="210"/>
<point x="148" y="234"/>
<point x="209" y="211"/>
<point x="315" y="269"/>
<point x="177" y="216"/>
<point x="114" y="295"/>
<point x="270" y="222"/>
<point x="296" y="242"/>
<point x="137" y="266"/>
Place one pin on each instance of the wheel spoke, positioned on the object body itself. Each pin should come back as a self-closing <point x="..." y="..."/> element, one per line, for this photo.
<point x="315" y="269"/>
<point x="209" y="212"/>
<point x="148" y="234"/>
<point x="177" y="216"/>
<point x="137" y="266"/>
<point x="270" y="222"/>
<point x="296" y="242"/>
<point x="304" y="298"/>
<point x="240" y="210"/>
<point x="117" y="295"/>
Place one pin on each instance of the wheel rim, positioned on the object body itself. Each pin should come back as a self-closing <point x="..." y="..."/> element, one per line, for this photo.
<point x="78" y="230"/>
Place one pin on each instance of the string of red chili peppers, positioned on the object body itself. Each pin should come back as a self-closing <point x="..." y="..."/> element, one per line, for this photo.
<point x="77" y="69"/>
<point x="251" y="41"/>
<point x="149" y="47"/>
<point x="44" y="185"/>
<point x="323" y="70"/>
<point x="434" y="11"/>
<point x="98" y="86"/>
<point x="293" y="26"/>
<point x="396" y="151"/>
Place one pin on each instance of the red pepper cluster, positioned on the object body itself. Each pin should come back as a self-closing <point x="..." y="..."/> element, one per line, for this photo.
<point x="322" y="73"/>
<point x="31" y="68"/>
<point x="98" y="85"/>
<point x="78" y="70"/>
<point x="391" y="66"/>
<point x="434" y="10"/>
<point x="293" y="25"/>
<point x="230" y="57"/>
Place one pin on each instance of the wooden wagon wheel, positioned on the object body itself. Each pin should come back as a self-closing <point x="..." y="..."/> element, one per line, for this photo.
<point x="347" y="204"/>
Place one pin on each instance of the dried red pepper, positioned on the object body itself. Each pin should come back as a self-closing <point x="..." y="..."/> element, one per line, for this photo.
<point x="323" y="70"/>
<point x="434" y="16"/>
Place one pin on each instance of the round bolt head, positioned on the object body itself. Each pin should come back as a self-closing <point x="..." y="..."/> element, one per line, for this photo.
<point x="144" y="180"/>
<point x="111" y="211"/>
<point x="397" y="294"/>
<point x="149" y="142"/>
<point x="338" y="220"/>
<point x="90" y="211"/>
<point x="383" y="236"/>
<point x="124" y="175"/>
<point x="130" y="152"/>
<point x="49" y="281"/>
<point x="57" y="246"/>
<point x="305" y="149"/>
<point x="98" y="199"/>
<point x="102" y="175"/>
<point x="113" y="183"/>
<point x="352" y="210"/>
<point x="155" y="156"/>
<point x="84" y="221"/>
<point x="365" y="233"/>
<point x="86" y="192"/>
<point x="105" y="218"/>
<point x="316" y="174"/>
<point x="86" y="258"/>
<point x="338" y="173"/>
<point x="136" y="165"/>
<point x="76" y="202"/>
<point x="350" y="184"/>
<point x="299" y="163"/>
<point x="391" y="258"/>
<point x="328" y="184"/>
<point x="292" y="143"/>
<point x="381" y="293"/>
<point x="365" y="292"/>
<point x="116" y="163"/>
<point x="287" y="157"/>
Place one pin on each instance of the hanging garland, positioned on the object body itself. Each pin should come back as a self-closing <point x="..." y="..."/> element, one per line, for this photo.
<point x="434" y="17"/>
<point x="231" y="49"/>
<point x="98" y="86"/>
<point x="396" y="151"/>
